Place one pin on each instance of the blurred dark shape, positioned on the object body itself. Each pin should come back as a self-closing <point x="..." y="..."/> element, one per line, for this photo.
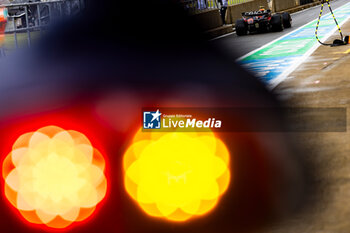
<point x="151" y="53"/>
<point x="151" y="44"/>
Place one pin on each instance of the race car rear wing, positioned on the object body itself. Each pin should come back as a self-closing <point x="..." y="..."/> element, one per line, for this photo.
<point x="256" y="13"/>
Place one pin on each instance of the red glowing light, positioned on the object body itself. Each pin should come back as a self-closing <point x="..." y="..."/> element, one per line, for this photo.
<point x="54" y="177"/>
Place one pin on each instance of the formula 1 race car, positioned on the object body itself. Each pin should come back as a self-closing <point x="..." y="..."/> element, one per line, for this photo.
<point x="262" y="21"/>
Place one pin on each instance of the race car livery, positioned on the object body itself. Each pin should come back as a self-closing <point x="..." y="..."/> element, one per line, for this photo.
<point x="262" y="21"/>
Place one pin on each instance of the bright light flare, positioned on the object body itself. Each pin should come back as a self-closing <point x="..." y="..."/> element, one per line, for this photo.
<point x="54" y="177"/>
<point x="176" y="175"/>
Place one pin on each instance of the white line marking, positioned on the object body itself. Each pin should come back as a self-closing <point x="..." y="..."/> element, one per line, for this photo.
<point x="223" y="36"/>
<point x="268" y="44"/>
<point x="274" y="83"/>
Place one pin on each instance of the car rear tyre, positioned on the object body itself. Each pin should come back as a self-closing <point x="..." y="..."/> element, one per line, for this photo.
<point x="287" y="20"/>
<point x="241" y="27"/>
<point x="277" y="23"/>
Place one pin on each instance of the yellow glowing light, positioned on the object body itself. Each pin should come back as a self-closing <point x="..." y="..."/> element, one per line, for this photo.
<point x="176" y="175"/>
<point x="54" y="177"/>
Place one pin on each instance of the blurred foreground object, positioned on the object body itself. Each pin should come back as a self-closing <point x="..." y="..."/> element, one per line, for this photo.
<point x="176" y="182"/>
<point x="101" y="69"/>
<point x="54" y="177"/>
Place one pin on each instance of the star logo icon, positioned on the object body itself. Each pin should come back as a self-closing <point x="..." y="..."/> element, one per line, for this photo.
<point x="156" y="115"/>
<point x="152" y="120"/>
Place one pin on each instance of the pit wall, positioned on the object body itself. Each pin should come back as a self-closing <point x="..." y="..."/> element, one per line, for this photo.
<point x="234" y="12"/>
<point x="280" y="5"/>
<point x="208" y="19"/>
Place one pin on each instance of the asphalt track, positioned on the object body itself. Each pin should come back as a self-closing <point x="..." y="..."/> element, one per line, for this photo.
<point x="236" y="46"/>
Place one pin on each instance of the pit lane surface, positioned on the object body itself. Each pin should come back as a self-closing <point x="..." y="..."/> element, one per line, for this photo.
<point x="322" y="81"/>
<point x="237" y="46"/>
<point x="273" y="62"/>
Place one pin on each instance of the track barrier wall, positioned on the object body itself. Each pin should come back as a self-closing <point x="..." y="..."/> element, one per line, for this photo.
<point x="234" y="12"/>
<point x="280" y="5"/>
<point x="208" y="19"/>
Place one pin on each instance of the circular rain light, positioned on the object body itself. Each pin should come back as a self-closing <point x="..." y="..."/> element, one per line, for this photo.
<point x="176" y="175"/>
<point x="54" y="177"/>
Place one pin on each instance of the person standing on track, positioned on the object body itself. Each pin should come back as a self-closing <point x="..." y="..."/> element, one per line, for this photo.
<point x="202" y="4"/>
<point x="223" y="9"/>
